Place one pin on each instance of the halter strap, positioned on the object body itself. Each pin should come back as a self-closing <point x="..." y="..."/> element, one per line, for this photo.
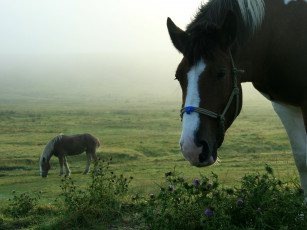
<point x="221" y="117"/>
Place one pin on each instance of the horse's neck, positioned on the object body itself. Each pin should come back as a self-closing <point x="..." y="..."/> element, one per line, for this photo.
<point x="47" y="155"/>
<point x="49" y="149"/>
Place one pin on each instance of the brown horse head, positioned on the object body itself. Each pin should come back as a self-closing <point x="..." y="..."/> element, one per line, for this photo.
<point x="44" y="166"/>
<point x="206" y="76"/>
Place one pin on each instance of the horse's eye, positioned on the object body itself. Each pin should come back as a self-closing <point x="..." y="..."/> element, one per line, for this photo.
<point x="221" y="74"/>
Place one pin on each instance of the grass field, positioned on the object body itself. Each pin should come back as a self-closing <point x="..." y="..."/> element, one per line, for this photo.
<point x="141" y="136"/>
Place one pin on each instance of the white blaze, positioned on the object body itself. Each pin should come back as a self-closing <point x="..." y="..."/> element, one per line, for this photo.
<point x="190" y="122"/>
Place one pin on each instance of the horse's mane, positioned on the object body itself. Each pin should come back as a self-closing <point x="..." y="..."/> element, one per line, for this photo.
<point x="49" y="147"/>
<point x="250" y="14"/>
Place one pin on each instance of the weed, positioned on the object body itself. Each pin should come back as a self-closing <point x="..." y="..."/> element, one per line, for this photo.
<point x="102" y="199"/>
<point x="21" y="205"/>
<point x="261" y="202"/>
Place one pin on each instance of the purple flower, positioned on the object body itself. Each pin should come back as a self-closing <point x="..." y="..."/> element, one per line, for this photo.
<point x="259" y="209"/>
<point x="171" y="187"/>
<point x="196" y="182"/>
<point x="297" y="205"/>
<point x="240" y="202"/>
<point x="151" y="195"/>
<point x="208" y="212"/>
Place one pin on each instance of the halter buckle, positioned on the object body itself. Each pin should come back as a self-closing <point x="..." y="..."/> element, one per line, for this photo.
<point x="189" y="109"/>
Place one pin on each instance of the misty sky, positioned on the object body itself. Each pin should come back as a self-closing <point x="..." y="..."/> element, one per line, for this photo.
<point x="91" y="26"/>
<point x="113" y="43"/>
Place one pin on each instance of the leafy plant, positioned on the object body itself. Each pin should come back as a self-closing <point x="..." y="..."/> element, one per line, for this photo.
<point x="102" y="200"/>
<point x="21" y="205"/>
<point x="261" y="202"/>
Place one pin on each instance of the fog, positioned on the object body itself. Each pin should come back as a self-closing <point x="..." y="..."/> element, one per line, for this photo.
<point x="95" y="49"/>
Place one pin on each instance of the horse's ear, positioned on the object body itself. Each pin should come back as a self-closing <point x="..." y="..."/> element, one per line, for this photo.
<point x="228" y="31"/>
<point x="178" y="36"/>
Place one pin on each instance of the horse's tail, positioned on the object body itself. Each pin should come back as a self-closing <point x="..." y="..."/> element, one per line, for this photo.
<point x="50" y="146"/>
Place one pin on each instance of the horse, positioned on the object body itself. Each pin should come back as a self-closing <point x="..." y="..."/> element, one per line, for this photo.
<point x="229" y="42"/>
<point x="62" y="146"/>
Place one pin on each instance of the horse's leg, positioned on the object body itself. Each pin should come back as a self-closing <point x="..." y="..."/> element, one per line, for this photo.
<point x="88" y="165"/>
<point x="293" y="122"/>
<point x="61" y="160"/>
<point x="66" y="166"/>
<point x="94" y="156"/>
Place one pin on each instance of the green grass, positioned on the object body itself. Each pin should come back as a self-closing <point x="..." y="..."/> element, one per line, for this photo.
<point x="141" y="137"/>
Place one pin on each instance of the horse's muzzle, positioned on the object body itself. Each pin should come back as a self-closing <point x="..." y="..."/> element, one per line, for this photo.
<point x="199" y="155"/>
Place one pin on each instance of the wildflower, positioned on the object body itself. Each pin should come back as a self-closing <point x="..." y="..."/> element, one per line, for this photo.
<point x="169" y="216"/>
<point x="151" y="195"/>
<point x="171" y="187"/>
<point x="240" y="202"/>
<point x="297" y="205"/>
<point x="209" y="185"/>
<point x="208" y="212"/>
<point x="259" y="209"/>
<point x="196" y="182"/>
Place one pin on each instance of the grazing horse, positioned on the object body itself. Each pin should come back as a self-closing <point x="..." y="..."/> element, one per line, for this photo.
<point x="267" y="39"/>
<point x="62" y="146"/>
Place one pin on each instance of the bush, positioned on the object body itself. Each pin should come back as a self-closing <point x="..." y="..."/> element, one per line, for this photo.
<point x="21" y="205"/>
<point x="261" y="202"/>
<point x="101" y="201"/>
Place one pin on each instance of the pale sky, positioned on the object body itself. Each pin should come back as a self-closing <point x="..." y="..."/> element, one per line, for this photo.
<point x="89" y="26"/>
<point x="121" y="45"/>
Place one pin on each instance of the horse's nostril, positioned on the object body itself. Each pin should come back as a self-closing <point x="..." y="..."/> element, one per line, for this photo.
<point x="205" y="151"/>
<point x="202" y="158"/>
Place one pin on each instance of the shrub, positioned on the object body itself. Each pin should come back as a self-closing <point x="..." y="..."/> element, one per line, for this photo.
<point x="21" y="205"/>
<point x="261" y="202"/>
<point x="101" y="201"/>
